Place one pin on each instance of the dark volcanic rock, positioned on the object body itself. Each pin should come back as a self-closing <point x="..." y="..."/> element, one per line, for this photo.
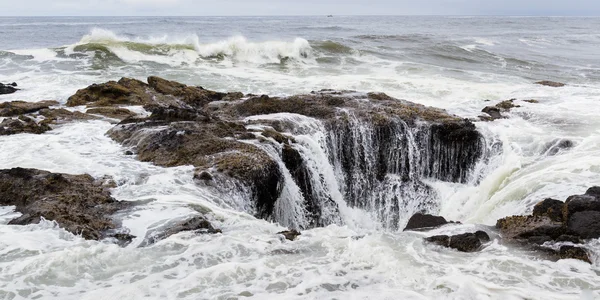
<point x="8" y="88"/>
<point x="594" y="191"/>
<point x="495" y="112"/>
<point x="579" y="203"/>
<point x="585" y="224"/>
<point x="125" y="92"/>
<point x="571" y="252"/>
<point x="554" y="222"/>
<point x="550" y="83"/>
<point x="466" y="242"/>
<point x="15" y="108"/>
<point x="421" y="221"/>
<point x="78" y="203"/>
<point x="550" y="208"/>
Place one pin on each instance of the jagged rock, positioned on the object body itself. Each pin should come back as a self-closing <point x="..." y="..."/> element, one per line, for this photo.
<point x="585" y="224"/>
<point x="78" y="203"/>
<point x="524" y="227"/>
<point x="125" y="92"/>
<point x="531" y="101"/>
<point x="554" y="221"/>
<point x="112" y="112"/>
<point x="556" y="146"/>
<point x="290" y="235"/>
<point x="550" y="208"/>
<point x="15" y="108"/>
<point x="198" y="224"/>
<point x="205" y="144"/>
<point x="194" y="96"/>
<point x="550" y="83"/>
<point x="571" y="252"/>
<point x="22" y="124"/>
<point x="8" y="88"/>
<point x="421" y="221"/>
<point x="495" y="112"/>
<point x="466" y="242"/>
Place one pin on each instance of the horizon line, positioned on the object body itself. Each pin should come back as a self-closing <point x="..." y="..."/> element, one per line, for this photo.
<point x="306" y="15"/>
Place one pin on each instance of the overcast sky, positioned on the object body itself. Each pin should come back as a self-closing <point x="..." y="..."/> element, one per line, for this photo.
<point x="296" y="7"/>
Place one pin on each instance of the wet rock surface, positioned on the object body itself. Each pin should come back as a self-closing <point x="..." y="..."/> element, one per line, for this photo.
<point x="290" y="235"/>
<point x="197" y="224"/>
<point x="554" y="221"/>
<point x="466" y="242"/>
<point x="8" y="88"/>
<point x="35" y="117"/>
<point x="78" y="203"/>
<point x="424" y="221"/>
<point x="495" y="112"/>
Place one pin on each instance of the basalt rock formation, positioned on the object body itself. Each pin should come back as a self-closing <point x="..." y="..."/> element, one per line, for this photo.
<point x="466" y="242"/>
<point x="554" y="221"/>
<point x="379" y="147"/>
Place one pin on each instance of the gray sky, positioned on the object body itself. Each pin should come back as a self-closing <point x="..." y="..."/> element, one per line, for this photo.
<point x="297" y="7"/>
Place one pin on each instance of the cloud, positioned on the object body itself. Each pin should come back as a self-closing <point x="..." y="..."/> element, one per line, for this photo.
<point x="305" y="7"/>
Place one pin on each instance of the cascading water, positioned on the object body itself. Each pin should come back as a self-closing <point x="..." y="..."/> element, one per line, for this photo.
<point x="381" y="167"/>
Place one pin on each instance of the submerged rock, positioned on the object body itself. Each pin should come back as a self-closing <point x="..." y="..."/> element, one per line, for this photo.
<point x="290" y="235"/>
<point x="466" y="242"/>
<point x="495" y="112"/>
<point x="78" y="203"/>
<point x="198" y="224"/>
<point x="421" y="221"/>
<point x="8" y="88"/>
<point x="556" y="146"/>
<point x="550" y="83"/>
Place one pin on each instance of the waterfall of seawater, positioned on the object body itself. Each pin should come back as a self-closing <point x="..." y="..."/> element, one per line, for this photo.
<point x="334" y="168"/>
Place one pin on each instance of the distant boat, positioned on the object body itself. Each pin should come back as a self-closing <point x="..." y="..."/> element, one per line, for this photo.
<point x="330" y="16"/>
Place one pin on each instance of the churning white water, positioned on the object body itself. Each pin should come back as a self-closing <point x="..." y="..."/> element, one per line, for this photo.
<point x="455" y="64"/>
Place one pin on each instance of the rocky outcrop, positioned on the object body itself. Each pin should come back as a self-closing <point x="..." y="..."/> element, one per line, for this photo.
<point x="466" y="242"/>
<point x="15" y="108"/>
<point x="78" y="203"/>
<point x="8" y="88"/>
<point x="550" y="83"/>
<point x="555" y="221"/>
<point x="210" y="130"/>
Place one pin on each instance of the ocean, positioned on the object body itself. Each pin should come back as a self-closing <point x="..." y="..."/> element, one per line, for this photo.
<point x="460" y="64"/>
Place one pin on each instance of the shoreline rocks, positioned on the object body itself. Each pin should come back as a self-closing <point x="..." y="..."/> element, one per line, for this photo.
<point x="554" y="221"/>
<point x="466" y="242"/>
